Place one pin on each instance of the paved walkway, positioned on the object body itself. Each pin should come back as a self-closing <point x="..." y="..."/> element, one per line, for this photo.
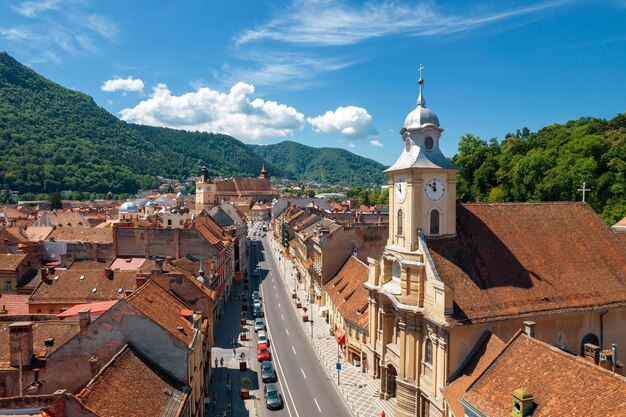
<point x="360" y="393"/>
<point x="228" y="374"/>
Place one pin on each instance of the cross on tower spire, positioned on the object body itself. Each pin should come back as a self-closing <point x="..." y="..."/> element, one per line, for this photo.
<point x="420" y="99"/>
<point x="584" y="190"/>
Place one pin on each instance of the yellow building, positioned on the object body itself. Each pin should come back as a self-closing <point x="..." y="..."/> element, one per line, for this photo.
<point x="450" y="272"/>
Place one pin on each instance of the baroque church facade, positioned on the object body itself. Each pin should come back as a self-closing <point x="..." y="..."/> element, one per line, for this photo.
<point x="450" y="273"/>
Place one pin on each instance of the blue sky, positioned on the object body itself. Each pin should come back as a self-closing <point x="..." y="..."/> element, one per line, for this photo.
<point x="328" y="72"/>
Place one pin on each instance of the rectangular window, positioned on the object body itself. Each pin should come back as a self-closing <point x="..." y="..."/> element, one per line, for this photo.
<point x="8" y="286"/>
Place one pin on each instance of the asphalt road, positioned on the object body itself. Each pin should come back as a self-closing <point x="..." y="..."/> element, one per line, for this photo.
<point x="306" y="388"/>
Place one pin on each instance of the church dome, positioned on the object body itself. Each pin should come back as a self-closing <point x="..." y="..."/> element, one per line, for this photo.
<point x="180" y="195"/>
<point x="129" y="207"/>
<point x="150" y="204"/>
<point x="421" y="115"/>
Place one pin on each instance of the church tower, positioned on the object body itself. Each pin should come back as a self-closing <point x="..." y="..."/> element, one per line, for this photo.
<point x="264" y="174"/>
<point x="422" y="182"/>
<point x="205" y="191"/>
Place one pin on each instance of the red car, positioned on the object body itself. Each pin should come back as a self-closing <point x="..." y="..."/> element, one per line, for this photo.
<point x="262" y="352"/>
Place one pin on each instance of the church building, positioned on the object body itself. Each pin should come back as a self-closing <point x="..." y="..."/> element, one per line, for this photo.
<point x="452" y="272"/>
<point x="210" y="194"/>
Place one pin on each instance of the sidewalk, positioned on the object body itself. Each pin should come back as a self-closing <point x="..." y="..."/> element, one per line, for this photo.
<point x="226" y="330"/>
<point x="360" y="393"/>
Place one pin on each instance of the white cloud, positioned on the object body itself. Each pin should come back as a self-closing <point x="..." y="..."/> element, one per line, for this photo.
<point x="122" y="84"/>
<point x="208" y="110"/>
<point x="352" y="145"/>
<point x="376" y="143"/>
<point x="350" y="121"/>
<point x="33" y="8"/>
<point x="334" y="22"/>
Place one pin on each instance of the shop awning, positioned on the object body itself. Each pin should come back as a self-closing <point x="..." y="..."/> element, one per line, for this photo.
<point x="323" y="308"/>
<point x="340" y="336"/>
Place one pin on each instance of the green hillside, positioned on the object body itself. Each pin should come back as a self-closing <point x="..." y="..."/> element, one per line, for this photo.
<point x="327" y="165"/>
<point x="549" y="165"/>
<point x="57" y="139"/>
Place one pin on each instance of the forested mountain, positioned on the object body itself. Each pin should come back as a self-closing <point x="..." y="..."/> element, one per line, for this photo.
<point x="53" y="138"/>
<point x="549" y="165"/>
<point x="327" y="165"/>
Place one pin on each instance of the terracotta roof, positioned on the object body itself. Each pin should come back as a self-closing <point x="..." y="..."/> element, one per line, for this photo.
<point x="70" y="288"/>
<point x="488" y="347"/>
<point x="510" y="260"/>
<point x="82" y="234"/>
<point x="60" y="331"/>
<point x="347" y="292"/>
<point x="95" y="309"/>
<point x="225" y="187"/>
<point x="251" y="185"/>
<point x="621" y="225"/>
<point x="13" y="304"/>
<point x="127" y="264"/>
<point x="37" y="234"/>
<point x="13" y="213"/>
<point x="67" y="218"/>
<point x="11" y="261"/>
<point x="14" y="232"/>
<point x="211" y="231"/>
<point x="130" y="385"/>
<point x="160" y="306"/>
<point x="562" y="384"/>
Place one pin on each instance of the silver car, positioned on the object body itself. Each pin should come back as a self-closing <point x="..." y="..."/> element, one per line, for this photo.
<point x="273" y="399"/>
<point x="259" y="324"/>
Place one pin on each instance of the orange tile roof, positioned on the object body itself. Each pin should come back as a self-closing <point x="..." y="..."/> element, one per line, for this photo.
<point x="13" y="304"/>
<point x="488" y="347"/>
<point x="212" y="232"/>
<point x="130" y="385"/>
<point x="127" y="264"/>
<point x="82" y="234"/>
<point x="562" y="384"/>
<point x="95" y="309"/>
<point x="67" y="218"/>
<point x="36" y="234"/>
<point x="159" y="305"/>
<point x="516" y="259"/>
<point x="69" y="288"/>
<point x="11" y="261"/>
<point x="347" y="293"/>
<point x="60" y="331"/>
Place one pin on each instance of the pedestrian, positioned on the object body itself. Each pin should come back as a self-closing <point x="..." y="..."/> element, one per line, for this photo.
<point x="216" y="362"/>
<point x="222" y="361"/>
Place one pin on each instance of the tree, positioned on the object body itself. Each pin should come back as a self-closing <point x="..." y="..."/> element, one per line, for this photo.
<point x="56" y="202"/>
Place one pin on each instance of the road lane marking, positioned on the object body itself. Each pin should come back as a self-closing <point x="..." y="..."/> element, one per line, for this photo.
<point x="282" y="317"/>
<point x="294" y="350"/>
<point x="287" y="332"/>
<point x="282" y="383"/>
<point x="318" y="406"/>
<point x="278" y="305"/>
<point x="302" y="370"/>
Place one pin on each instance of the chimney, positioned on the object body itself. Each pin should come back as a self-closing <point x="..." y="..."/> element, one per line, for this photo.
<point x="50" y="270"/>
<point x="529" y="328"/>
<point x="58" y="403"/>
<point x="613" y="356"/>
<point x="94" y="366"/>
<point x="523" y="403"/>
<point x="159" y="265"/>
<point x="592" y="353"/>
<point x="141" y="278"/>
<point x="44" y="274"/>
<point x="21" y="343"/>
<point x="84" y="319"/>
<point x="108" y="273"/>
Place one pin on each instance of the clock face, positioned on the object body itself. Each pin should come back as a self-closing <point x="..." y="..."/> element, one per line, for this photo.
<point x="400" y="187"/>
<point x="434" y="189"/>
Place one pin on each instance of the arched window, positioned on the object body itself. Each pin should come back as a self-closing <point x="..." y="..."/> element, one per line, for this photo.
<point x="434" y="222"/>
<point x="589" y="338"/>
<point x="400" y="222"/>
<point x="428" y="352"/>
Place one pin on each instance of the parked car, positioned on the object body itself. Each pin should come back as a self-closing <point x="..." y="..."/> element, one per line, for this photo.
<point x="267" y="372"/>
<point x="258" y="312"/>
<point x="256" y="304"/>
<point x="256" y="295"/>
<point x="259" y="324"/>
<point x="261" y="338"/>
<point x="273" y="399"/>
<point x="263" y="353"/>
<point x="256" y="273"/>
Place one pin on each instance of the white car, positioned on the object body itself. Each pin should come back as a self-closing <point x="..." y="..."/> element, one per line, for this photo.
<point x="262" y="338"/>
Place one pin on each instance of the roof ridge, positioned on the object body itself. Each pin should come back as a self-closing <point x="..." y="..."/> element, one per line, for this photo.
<point x="575" y="358"/>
